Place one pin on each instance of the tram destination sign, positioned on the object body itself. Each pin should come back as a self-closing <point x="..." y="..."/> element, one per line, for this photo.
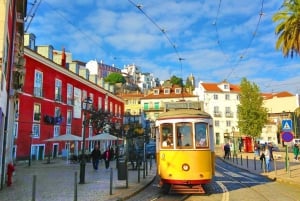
<point x="184" y="105"/>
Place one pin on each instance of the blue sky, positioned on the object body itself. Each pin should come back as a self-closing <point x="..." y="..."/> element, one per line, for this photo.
<point x="211" y="39"/>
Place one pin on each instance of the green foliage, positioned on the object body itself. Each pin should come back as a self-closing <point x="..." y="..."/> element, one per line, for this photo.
<point x="176" y="80"/>
<point x="288" y="29"/>
<point x="251" y="115"/>
<point x="189" y="84"/>
<point x="114" y="78"/>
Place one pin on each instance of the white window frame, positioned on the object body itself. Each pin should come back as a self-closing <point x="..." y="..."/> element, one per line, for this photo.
<point x="38" y="84"/>
<point x="35" y="130"/>
<point x="70" y="94"/>
<point x="56" y="130"/>
<point x="58" y="90"/>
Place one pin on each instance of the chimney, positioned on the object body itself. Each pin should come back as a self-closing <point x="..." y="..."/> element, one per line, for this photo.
<point x="63" y="58"/>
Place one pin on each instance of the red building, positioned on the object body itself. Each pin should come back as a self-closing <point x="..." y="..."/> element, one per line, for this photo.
<point x="50" y="103"/>
<point x="11" y="69"/>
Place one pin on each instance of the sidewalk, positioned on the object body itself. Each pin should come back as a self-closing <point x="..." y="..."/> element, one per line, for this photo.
<point x="280" y="170"/>
<point x="56" y="181"/>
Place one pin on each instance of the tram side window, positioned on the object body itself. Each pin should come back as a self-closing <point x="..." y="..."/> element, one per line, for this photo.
<point x="201" y="135"/>
<point x="184" y="135"/>
<point x="166" y="136"/>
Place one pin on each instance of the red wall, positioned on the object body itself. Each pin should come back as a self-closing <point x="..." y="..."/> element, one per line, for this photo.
<point x="27" y="100"/>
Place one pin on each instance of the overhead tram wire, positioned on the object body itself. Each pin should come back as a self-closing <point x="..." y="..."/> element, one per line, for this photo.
<point x="250" y="43"/>
<point x="138" y="6"/>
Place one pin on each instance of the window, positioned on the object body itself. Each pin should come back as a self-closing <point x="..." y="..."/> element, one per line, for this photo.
<point x="146" y="106"/>
<point x="156" y="91"/>
<point x="167" y="136"/>
<point x="69" y="117"/>
<point x="110" y="107"/>
<point x="227" y="97"/>
<point x="228" y="123"/>
<point x="36" y="130"/>
<point x="38" y="84"/>
<point x="106" y="103"/>
<point x="201" y="139"/>
<point x="15" y="129"/>
<point x="215" y="96"/>
<point x="177" y="90"/>
<point x="156" y="105"/>
<point x="57" y="116"/>
<point x="166" y="91"/>
<point x="99" y="103"/>
<point x="36" y="112"/>
<point x="58" y="88"/>
<point x="68" y="129"/>
<point x="184" y="135"/>
<point x="217" y="123"/>
<point x="56" y="131"/>
<point x="70" y="94"/>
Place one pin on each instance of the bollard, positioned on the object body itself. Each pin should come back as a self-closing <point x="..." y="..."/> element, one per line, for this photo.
<point x="138" y="174"/>
<point x="151" y="162"/>
<point x="126" y="175"/>
<point x="247" y="161"/>
<point x="146" y="167"/>
<point x="241" y="160"/>
<point x="236" y="158"/>
<point x="111" y="181"/>
<point x="33" y="187"/>
<point x="275" y="168"/>
<point x="75" y="187"/>
<point x="254" y="163"/>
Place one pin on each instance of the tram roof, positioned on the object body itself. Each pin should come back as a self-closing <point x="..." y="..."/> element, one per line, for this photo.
<point x="186" y="113"/>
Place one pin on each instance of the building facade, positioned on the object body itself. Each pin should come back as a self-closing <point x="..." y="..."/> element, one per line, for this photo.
<point x="11" y="74"/>
<point x="50" y="105"/>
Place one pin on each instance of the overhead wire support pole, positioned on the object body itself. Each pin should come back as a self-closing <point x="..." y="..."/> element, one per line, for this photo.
<point x="31" y="13"/>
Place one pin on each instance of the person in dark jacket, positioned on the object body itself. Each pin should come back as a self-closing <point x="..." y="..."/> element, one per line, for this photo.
<point x="96" y="156"/>
<point x="106" y="156"/>
<point x="227" y="151"/>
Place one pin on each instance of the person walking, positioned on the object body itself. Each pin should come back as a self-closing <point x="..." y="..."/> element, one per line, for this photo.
<point x="226" y="150"/>
<point x="106" y="157"/>
<point x="96" y="156"/>
<point x="296" y="151"/>
<point x="267" y="158"/>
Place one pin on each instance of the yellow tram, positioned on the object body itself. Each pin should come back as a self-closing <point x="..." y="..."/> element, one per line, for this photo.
<point x="185" y="149"/>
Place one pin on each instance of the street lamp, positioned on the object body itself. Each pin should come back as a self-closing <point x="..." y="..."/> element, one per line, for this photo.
<point x="86" y="105"/>
<point x="234" y="150"/>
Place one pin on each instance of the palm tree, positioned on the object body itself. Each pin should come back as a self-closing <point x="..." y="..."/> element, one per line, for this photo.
<point x="288" y="29"/>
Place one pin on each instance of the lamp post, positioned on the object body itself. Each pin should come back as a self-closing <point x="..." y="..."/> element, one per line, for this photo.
<point x="234" y="149"/>
<point x="86" y="105"/>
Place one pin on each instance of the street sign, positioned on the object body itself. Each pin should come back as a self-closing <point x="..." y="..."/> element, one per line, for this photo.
<point x="286" y="125"/>
<point x="287" y="136"/>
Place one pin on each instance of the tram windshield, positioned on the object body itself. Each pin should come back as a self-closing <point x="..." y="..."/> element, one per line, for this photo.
<point x="167" y="136"/>
<point x="184" y="135"/>
<point x="201" y="137"/>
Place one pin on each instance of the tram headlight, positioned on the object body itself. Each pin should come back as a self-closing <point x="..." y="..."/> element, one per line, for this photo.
<point x="185" y="167"/>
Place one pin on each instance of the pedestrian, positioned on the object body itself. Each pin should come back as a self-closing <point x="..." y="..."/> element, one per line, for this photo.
<point x="240" y="146"/>
<point x="262" y="159"/>
<point x="106" y="157"/>
<point x="296" y="151"/>
<point x="112" y="153"/>
<point x="96" y="156"/>
<point x="226" y="150"/>
<point x="267" y="158"/>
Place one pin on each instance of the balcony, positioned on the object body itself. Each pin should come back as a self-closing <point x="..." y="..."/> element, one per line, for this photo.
<point x="229" y="114"/>
<point x="217" y="114"/>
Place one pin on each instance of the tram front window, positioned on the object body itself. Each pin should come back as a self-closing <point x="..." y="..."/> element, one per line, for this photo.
<point x="184" y="135"/>
<point x="201" y="138"/>
<point x="166" y="136"/>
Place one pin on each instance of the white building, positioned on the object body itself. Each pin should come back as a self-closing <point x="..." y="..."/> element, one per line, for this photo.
<point x="220" y="101"/>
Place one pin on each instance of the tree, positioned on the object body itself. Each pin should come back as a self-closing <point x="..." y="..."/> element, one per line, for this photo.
<point x="251" y="115"/>
<point x="176" y="80"/>
<point x="288" y="28"/>
<point x="189" y="84"/>
<point x="114" y="78"/>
